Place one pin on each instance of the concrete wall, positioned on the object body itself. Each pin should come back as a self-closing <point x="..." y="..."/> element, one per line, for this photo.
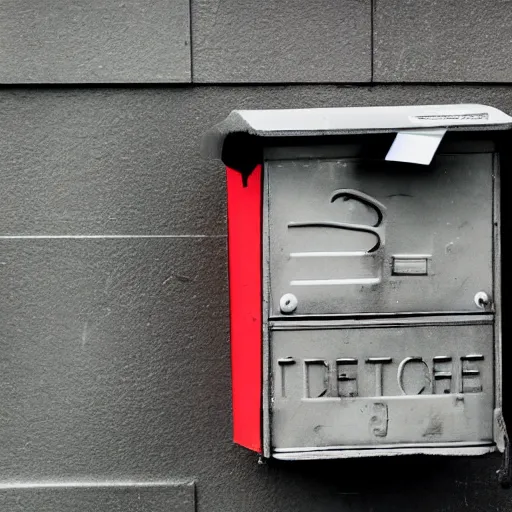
<point x="114" y="336"/>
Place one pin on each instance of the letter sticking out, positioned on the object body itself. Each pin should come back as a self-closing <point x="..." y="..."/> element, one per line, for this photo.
<point x="442" y="375"/>
<point x="470" y="381"/>
<point x="316" y="378"/>
<point x="378" y="362"/>
<point x="346" y="374"/>
<point x="425" y="385"/>
<point x="284" y="363"/>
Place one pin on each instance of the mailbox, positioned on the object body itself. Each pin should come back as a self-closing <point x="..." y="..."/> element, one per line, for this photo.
<point x="364" y="292"/>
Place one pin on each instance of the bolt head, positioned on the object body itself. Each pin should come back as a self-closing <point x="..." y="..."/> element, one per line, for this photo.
<point x="288" y="303"/>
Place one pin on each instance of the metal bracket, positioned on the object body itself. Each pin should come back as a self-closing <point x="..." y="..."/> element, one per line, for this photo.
<point x="503" y="444"/>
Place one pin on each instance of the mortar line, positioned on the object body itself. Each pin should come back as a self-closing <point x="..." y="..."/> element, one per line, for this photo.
<point x="372" y="40"/>
<point x="92" y="484"/>
<point x="99" y="237"/>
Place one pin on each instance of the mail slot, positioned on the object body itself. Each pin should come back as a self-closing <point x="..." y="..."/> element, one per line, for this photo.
<point x="364" y="266"/>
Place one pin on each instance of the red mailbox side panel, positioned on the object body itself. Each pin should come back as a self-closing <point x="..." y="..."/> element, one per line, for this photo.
<point x="244" y="248"/>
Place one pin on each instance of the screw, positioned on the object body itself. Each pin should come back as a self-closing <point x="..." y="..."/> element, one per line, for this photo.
<point x="482" y="300"/>
<point x="288" y="303"/>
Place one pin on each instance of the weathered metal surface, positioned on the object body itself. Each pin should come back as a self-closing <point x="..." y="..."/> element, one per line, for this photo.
<point x="362" y="236"/>
<point x="351" y="120"/>
<point x="317" y="408"/>
<point x="405" y="394"/>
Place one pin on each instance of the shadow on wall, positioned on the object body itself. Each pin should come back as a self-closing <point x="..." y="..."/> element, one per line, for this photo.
<point x="394" y="483"/>
<point x="377" y="474"/>
<point x="506" y="280"/>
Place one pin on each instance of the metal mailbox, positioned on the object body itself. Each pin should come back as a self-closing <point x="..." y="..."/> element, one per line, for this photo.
<point x="365" y="293"/>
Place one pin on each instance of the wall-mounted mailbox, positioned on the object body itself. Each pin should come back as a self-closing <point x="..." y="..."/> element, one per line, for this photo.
<point x="365" y="293"/>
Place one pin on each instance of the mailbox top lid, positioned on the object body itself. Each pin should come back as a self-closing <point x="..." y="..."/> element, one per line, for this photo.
<point x="351" y="120"/>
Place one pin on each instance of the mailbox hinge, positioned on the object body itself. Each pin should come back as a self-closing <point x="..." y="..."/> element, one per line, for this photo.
<point x="503" y="444"/>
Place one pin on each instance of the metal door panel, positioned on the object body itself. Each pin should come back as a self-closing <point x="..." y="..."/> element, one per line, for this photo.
<point x="349" y="236"/>
<point x="368" y="386"/>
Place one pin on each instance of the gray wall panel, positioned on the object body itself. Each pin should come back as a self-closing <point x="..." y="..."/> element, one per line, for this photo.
<point x="78" y="41"/>
<point x="454" y="41"/>
<point x="281" y="41"/>
<point x="167" y="497"/>
<point x="108" y="349"/>
<point x="113" y="162"/>
<point x="114" y="352"/>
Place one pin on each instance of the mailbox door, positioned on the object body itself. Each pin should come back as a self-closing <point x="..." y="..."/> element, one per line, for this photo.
<point x="351" y="235"/>
<point x="422" y="383"/>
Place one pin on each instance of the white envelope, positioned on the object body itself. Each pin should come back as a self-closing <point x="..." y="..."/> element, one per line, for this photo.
<point x="415" y="146"/>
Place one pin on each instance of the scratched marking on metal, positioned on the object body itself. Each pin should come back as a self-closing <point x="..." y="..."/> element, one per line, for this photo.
<point x="454" y="117"/>
<point x="322" y="378"/>
<point x="379" y="420"/>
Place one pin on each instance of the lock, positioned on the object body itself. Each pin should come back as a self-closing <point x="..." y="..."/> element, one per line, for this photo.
<point x="355" y="327"/>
